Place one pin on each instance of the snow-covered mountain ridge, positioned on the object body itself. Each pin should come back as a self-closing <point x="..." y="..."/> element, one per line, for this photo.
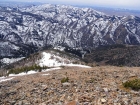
<point x="26" y="30"/>
<point x="46" y="58"/>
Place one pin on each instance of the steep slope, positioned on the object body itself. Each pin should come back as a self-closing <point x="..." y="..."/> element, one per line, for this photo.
<point x="83" y="28"/>
<point x="118" y="55"/>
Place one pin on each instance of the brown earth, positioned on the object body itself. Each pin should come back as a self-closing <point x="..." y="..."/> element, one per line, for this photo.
<point x="94" y="86"/>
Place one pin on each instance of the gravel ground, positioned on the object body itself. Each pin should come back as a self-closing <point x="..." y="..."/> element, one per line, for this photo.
<point x="86" y="86"/>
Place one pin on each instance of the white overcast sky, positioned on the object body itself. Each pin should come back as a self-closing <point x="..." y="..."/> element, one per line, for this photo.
<point x="132" y="4"/>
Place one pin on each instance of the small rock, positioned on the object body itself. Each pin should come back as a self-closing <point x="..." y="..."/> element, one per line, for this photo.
<point x="28" y="95"/>
<point x="45" y="88"/>
<point x="77" y="90"/>
<point x="86" y="103"/>
<point x="105" y="90"/>
<point x="103" y="100"/>
<point x="62" y="98"/>
<point x="124" y="81"/>
<point x="103" y="94"/>
<point x="117" y="76"/>
<point x="97" y="88"/>
<point x="12" y="102"/>
<point x="25" y="102"/>
<point x="12" y="92"/>
<point x="15" y="81"/>
<point x="72" y="103"/>
<point x="20" y="103"/>
<point x="42" y="104"/>
<point x="69" y="98"/>
<point x="66" y="84"/>
<point x="132" y="75"/>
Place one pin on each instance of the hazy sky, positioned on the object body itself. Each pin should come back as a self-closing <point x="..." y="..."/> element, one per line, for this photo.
<point x="132" y="4"/>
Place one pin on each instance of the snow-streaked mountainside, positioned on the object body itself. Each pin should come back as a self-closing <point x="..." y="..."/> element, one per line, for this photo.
<point x="49" y="58"/>
<point x="54" y="60"/>
<point x="26" y="30"/>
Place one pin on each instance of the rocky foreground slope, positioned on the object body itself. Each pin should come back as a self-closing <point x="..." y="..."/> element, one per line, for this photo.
<point x="94" y="86"/>
<point x="26" y="30"/>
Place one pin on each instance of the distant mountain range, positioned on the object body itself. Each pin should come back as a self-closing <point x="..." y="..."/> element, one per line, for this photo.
<point x="107" y="10"/>
<point x="118" y="11"/>
<point x="27" y="30"/>
<point x="7" y="3"/>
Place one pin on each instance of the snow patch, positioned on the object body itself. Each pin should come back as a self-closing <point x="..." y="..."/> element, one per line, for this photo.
<point x="59" y="48"/>
<point x="52" y="60"/>
<point x="57" y="68"/>
<point x="32" y="72"/>
<point x="45" y="74"/>
<point x="78" y="65"/>
<point x="11" y="60"/>
<point x="23" y="73"/>
<point x="3" y="79"/>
